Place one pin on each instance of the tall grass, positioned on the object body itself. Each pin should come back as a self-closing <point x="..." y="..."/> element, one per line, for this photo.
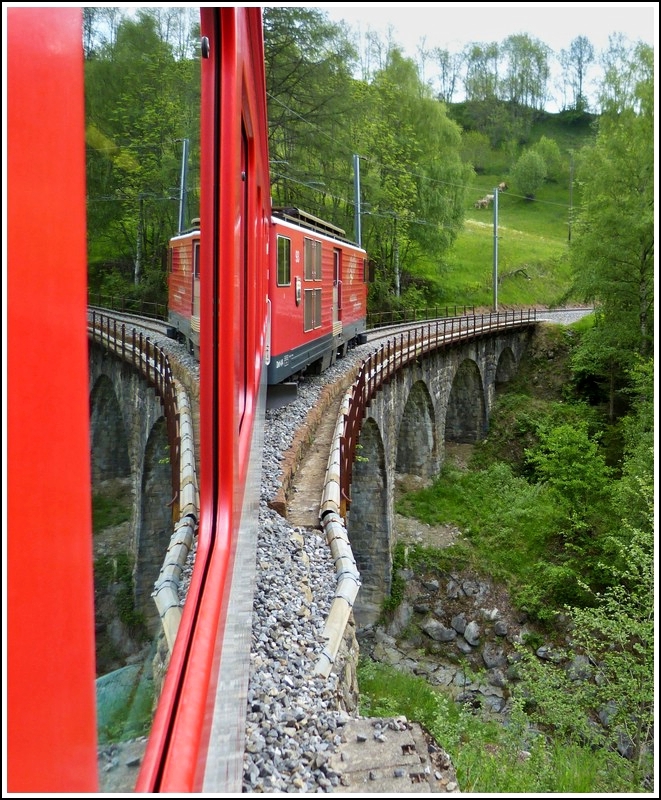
<point x="508" y="525"/>
<point x="489" y="758"/>
<point x="108" y="511"/>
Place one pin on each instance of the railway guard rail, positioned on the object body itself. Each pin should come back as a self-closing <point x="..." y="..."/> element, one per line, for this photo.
<point x="151" y="361"/>
<point x="375" y="319"/>
<point x="381" y="319"/>
<point x="129" y="305"/>
<point x="376" y="370"/>
<point x="399" y="351"/>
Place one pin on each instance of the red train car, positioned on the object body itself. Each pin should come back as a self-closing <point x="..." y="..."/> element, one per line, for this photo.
<point x="317" y="291"/>
<point x="184" y="287"/>
<point x="197" y="736"/>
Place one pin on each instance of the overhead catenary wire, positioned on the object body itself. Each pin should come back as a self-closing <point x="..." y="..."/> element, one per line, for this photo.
<point x="398" y="170"/>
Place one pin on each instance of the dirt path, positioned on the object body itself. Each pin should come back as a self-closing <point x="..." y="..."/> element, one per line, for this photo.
<point x="305" y="492"/>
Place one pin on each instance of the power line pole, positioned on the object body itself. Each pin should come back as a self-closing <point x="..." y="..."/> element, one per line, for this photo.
<point x="182" y="185"/>
<point x="356" y="192"/>
<point x="137" y="272"/>
<point x="495" y="249"/>
<point x="571" y="188"/>
<point x="396" y="258"/>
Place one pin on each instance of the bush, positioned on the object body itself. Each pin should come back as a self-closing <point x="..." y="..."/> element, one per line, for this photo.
<point x="529" y="173"/>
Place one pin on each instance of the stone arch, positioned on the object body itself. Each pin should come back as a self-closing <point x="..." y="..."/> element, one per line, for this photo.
<point x="109" y="440"/>
<point x="465" y="419"/>
<point x="416" y="441"/>
<point x="506" y="368"/>
<point x="369" y="524"/>
<point x="156" y="524"/>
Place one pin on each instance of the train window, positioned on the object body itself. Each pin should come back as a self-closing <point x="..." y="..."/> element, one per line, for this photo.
<point x="170" y="260"/>
<point x="312" y="309"/>
<point x="196" y="258"/>
<point x="366" y="274"/>
<point x="312" y="260"/>
<point x="284" y="261"/>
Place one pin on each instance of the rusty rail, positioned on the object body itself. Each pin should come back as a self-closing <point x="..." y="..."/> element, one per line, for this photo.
<point x="399" y="351"/>
<point x="138" y="350"/>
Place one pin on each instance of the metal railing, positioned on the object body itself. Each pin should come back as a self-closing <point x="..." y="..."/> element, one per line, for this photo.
<point x="379" y="367"/>
<point x="138" y="350"/>
<point x="129" y="305"/>
<point x="381" y="319"/>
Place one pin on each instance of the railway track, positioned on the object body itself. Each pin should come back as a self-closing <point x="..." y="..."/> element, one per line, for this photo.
<point x="301" y="506"/>
<point x="150" y="324"/>
<point x="373" y="336"/>
<point x="563" y="316"/>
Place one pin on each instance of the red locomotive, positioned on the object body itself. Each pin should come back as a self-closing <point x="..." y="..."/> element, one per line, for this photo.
<point x="196" y="741"/>
<point x="184" y="287"/>
<point x="317" y="293"/>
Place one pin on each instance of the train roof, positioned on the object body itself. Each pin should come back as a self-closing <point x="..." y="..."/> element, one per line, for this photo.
<point x="192" y="231"/>
<point x="309" y="221"/>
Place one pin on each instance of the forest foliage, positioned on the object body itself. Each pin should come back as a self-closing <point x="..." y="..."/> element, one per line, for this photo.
<point x="331" y="105"/>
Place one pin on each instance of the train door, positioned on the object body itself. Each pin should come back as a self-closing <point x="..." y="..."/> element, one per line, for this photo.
<point x="242" y="277"/>
<point x="337" y="287"/>
<point x="195" y="322"/>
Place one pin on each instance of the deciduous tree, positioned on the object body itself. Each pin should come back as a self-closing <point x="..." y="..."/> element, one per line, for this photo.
<point x="575" y="63"/>
<point x="613" y="246"/>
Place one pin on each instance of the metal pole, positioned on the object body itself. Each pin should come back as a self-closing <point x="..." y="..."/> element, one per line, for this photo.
<point x="571" y="187"/>
<point x="182" y="184"/>
<point x="138" y="245"/>
<point x="356" y="191"/>
<point x="495" y="249"/>
<point x="396" y="259"/>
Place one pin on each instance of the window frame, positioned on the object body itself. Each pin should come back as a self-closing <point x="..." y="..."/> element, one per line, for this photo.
<point x="280" y="263"/>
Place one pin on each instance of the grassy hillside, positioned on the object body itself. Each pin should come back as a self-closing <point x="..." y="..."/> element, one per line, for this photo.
<point x="533" y="236"/>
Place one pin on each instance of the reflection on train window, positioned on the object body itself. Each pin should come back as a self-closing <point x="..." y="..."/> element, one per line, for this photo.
<point x="312" y="260"/>
<point x="312" y="309"/>
<point x="284" y="261"/>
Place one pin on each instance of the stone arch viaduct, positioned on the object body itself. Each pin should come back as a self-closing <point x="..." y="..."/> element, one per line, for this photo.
<point x="439" y="396"/>
<point x="443" y="396"/>
<point x="143" y="450"/>
<point x="129" y="446"/>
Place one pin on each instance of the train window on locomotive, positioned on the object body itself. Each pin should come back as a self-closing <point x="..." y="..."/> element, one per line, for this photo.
<point x="312" y="260"/>
<point x="196" y="258"/>
<point x="284" y="261"/>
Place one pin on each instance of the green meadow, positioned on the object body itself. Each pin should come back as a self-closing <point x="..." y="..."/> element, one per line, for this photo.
<point x="532" y="238"/>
